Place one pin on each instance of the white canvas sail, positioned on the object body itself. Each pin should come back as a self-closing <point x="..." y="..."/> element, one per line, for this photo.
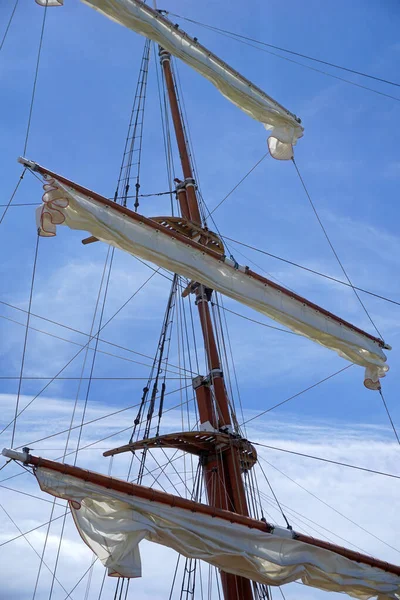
<point x="113" y="523"/>
<point x="285" y="127"/>
<point x="64" y="204"/>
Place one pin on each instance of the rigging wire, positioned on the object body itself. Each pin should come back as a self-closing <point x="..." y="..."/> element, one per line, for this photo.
<point x="191" y="373"/>
<point x="78" y="353"/>
<point x="314" y="385"/>
<point x="388" y="414"/>
<point x="242" y="39"/>
<point x="24" y="533"/>
<point x="275" y="497"/>
<point x="25" y="339"/>
<point x="7" y="206"/>
<point x="290" y="262"/>
<point x="9" y="24"/>
<point x="258" y="322"/>
<point x="35" y="79"/>
<point x="33" y="548"/>
<point x="238" y="184"/>
<point x="333" y="248"/>
<point x="297" y="54"/>
<point x="327" y="460"/>
<point x="328" y="505"/>
<point x="84" y="410"/>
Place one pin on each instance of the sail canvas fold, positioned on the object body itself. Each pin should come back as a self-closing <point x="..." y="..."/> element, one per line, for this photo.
<point x="113" y="523"/>
<point x="123" y="229"/>
<point x="284" y="126"/>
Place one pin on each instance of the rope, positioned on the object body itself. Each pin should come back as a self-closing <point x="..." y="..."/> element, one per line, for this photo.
<point x="327" y="460"/>
<point x="28" y="542"/>
<point x="25" y="340"/>
<point x="318" y="60"/>
<point x="333" y="249"/>
<point x="388" y="414"/>
<point x="258" y="322"/>
<point x="191" y="373"/>
<point x="241" y="181"/>
<point x="7" y="206"/>
<point x="8" y="24"/>
<point x="290" y="262"/>
<point x="35" y="79"/>
<point x="329" y="505"/>
<point x="235" y="36"/>
<point x="77" y="354"/>
<point x="275" y="497"/>
<point x="298" y="394"/>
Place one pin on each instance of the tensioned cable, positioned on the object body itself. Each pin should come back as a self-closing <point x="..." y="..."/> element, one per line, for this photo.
<point x="329" y="505"/>
<point x="298" y="394"/>
<point x="388" y="414"/>
<point x="324" y="62"/>
<point x="303" y="519"/>
<point x="333" y="248"/>
<point x="76" y="404"/>
<point x="86" y="335"/>
<point x="236" y="37"/>
<point x="9" y="24"/>
<point x="79" y="351"/>
<point x="327" y="460"/>
<point x="29" y="543"/>
<point x="22" y="204"/>
<point x="275" y="497"/>
<point x="23" y="534"/>
<point x="257" y="322"/>
<point x="290" y="262"/>
<point x="25" y="339"/>
<point x="241" y="181"/>
<point x="35" y="79"/>
<point x="7" y="206"/>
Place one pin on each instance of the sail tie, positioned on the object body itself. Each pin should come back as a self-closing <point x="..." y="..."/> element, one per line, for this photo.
<point x="49" y="214"/>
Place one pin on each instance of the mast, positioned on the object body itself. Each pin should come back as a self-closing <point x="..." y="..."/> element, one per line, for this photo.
<point x="224" y="484"/>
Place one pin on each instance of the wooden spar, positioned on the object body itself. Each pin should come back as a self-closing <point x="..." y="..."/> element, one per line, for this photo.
<point x="132" y="489"/>
<point x="187" y="195"/>
<point x="206" y="250"/>
<point x="222" y="474"/>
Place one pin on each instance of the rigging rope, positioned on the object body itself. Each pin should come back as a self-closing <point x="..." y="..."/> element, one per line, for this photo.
<point x="35" y="79"/>
<point x="329" y="505"/>
<point x="7" y="206"/>
<point x="290" y="262"/>
<point x="388" y="414"/>
<point x="327" y="460"/>
<point x="241" y="181"/>
<point x="9" y="24"/>
<point x="33" y="548"/>
<point x="298" y="394"/>
<point x="78" y="353"/>
<point x="25" y="340"/>
<point x="333" y="249"/>
<point x="236" y="37"/>
<point x="275" y="497"/>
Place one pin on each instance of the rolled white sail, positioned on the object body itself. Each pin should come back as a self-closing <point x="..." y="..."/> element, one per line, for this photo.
<point x="147" y="239"/>
<point x="112" y="523"/>
<point x="285" y="127"/>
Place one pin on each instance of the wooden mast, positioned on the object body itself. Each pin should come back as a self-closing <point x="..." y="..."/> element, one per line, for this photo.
<point x="224" y="484"/>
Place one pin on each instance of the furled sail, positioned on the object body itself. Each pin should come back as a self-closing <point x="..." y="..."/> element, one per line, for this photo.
<point x="70" y="204"/>
<point x="284" y="126"/>
<point x="112" y="523"/>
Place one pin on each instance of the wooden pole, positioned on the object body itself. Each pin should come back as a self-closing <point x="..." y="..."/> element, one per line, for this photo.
<point x="224" y="484"/>
<point x="132" y="489"/>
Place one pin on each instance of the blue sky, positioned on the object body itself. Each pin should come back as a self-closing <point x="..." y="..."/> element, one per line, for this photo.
<point x="348" y="158"/>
